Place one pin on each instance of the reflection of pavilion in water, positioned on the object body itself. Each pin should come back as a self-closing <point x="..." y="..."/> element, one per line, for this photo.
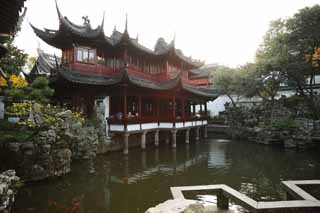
<point x="161" y="168"/>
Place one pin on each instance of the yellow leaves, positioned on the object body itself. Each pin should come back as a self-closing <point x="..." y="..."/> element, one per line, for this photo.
<point x="3" y="82"/>
<point x="78" y="116"/>
<point x="18" y="81"/>
<point x="313" y="58"/>
<point x="19" y="109"/>
<point x="27" y="123"/>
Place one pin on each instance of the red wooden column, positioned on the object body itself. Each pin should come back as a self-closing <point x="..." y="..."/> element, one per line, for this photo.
<point x="125" y="106"/>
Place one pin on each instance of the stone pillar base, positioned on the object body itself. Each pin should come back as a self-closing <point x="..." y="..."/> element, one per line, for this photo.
<point x="156" y="138"/>
<point x="174" y="138"/>
<point x="143" y="140"/>
<point x="197" y="133"/>
<point x="206" y="132"/>
<point x="187" y="136"/>
<point x="126" y="143"/>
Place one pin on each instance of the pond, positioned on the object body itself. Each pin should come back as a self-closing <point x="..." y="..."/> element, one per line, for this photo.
<point x="133" y="183"/>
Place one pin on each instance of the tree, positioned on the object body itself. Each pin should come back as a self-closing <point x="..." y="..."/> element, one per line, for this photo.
<point x="233" y="83"/>
<point x="15" y="59"/>
<point x="289" y="50"/>
<point x="303" y="42"/>
<point x="39" y="90"/>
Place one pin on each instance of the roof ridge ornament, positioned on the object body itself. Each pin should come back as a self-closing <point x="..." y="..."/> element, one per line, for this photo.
<point x="58" y="11"/>
<point x="102" y="23"/>
<point x="173" y="42"/>
<point x="126" y="25"/>
<point x="86" y="20"/>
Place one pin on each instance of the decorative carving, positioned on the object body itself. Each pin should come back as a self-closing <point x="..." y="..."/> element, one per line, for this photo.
<point x="86" y="20"/>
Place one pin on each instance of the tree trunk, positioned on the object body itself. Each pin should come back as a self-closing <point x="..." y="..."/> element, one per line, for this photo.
<point x="232" y="101"/>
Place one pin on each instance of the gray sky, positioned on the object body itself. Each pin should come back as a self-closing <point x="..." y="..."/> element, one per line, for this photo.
<point x="217" y="31"/>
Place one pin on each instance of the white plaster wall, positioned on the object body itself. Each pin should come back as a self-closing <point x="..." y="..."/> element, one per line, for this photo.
<point x="198" y="123"/>
<point x="165" y="125"/>
<point x="116" y="127"/>
<point x="188" y="124"/>
<point x="133" y="127"/>
<point x="179" y="125"/>
<point x="149" y="126"/>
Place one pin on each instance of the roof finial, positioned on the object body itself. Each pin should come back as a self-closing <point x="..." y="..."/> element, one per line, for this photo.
<point x="126" y="27"/>
<point x="174" y="40"/>
<point x="115" y="28"/>
<point x="58" y="11"/>
<point x="102" y="23"/>
<point x="137" y="38"/>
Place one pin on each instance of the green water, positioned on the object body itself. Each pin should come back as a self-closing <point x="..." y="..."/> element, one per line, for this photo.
<point x="133" y="183"/>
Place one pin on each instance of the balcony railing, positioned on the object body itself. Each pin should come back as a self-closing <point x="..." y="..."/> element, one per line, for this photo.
<point x="151" y="122"/>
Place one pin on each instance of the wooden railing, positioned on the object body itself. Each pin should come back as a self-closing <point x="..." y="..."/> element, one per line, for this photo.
<point x="304" y="202"/>
<point x="107" y="70"/>
<point x="153" y="119"/>
<point x="140" y="73"/>
<point x="93" y="68"/>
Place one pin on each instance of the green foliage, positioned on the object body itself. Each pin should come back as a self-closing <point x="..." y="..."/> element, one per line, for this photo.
<point x="14" y="60"/>
<point x="39" y="90"/>
<point x="294" y="101"/>
<point x="217" y="120"/>
<point x="290" y="48"/>
<point x="13" y="132"/>
<point x="284" y="124"/>
<point x="235" y="83"/>
<point x="15" y="136"/>
<point x="12" y="93"/>
<point x="6" y="125"/>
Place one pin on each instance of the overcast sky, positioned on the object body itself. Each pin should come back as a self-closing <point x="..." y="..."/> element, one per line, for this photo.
<point x="217" y="31"/>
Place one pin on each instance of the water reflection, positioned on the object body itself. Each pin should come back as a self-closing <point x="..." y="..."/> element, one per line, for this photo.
<point x="143" y="178"/>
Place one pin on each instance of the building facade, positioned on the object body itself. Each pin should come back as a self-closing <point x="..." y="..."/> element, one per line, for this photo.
<point x="141" y="90"/>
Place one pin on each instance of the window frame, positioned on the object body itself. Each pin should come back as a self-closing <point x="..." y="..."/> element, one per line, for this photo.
<point x="86" y="51"/>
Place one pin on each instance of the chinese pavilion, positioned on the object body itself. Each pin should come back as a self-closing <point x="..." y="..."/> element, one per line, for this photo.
<point x="142" y="90"/>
